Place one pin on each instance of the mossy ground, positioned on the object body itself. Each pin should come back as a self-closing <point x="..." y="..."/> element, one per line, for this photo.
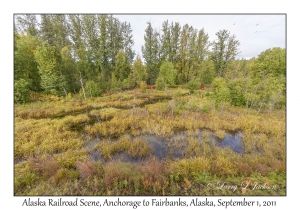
<point x="51" y="156"/>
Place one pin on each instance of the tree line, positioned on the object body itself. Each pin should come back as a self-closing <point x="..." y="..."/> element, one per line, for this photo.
<point x="94" y="53"/>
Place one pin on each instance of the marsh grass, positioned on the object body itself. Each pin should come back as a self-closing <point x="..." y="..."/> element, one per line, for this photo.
<point x="220" y="134"/>
<point x="137" y="148"/>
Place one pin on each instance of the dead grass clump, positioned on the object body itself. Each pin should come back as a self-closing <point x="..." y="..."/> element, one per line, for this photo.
<point x="90" y="168"/>
<point x="46" y="167"/>
<point x="86" y="169"/>
<point x="262" y="169"/>
<point x="244" y="169"/>
<point x="277" y="166"/>
<point x="152" y="169"/>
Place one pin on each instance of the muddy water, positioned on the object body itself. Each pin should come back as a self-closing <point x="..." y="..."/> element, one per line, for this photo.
<point x="172" y="147"/>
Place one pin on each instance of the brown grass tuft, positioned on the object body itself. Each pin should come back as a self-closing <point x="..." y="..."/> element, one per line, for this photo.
<point x="44" y="166"/>
<point x="89" y="169"/>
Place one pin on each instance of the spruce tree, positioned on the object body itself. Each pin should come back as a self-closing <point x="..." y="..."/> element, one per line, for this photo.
<point x="150" y="52"/>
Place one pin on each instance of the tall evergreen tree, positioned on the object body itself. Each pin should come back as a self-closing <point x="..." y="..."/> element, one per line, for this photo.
<point x="69" y="70"/>
<point x="91" y="44"/>
<point x="150" y="52"/>
<point x="47" y="30"/>
<point x="183" y="57"/>
<point x="27" y="24"/>
<point x="202" y="46"/>
<point x="166" y="45"/>
<point x="175" y="37"/>
<point x="225" y="49"/>
<point x="103" y="50"/>
<point x="128" y="41"/>
<point x="122" y="67"/>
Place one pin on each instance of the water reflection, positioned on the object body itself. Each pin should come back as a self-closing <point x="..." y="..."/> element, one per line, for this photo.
<point x="173" y="147"/>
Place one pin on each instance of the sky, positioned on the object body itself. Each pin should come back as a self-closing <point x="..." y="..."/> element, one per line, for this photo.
<point x="270" y="31"/>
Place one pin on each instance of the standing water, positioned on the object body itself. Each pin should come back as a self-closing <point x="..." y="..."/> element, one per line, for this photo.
<point x="172" y="147"/>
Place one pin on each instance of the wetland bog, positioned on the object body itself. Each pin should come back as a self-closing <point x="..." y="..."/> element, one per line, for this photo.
<point x="154" y="143"/>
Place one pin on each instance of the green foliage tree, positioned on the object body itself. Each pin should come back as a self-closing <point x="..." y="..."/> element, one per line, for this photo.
<point x="270" y="63"/>
<point x="128" y="83"/>
<point x="139" y="72"/>
<point x="221" y="92"/>
<point x="160" y="83"/>
<point x="268" y="73"/>
<point x="21" y="91"/>
<point x="193" y="84"/>
<point x="238" y="89"/>
<point x="207" y="72"/>
<point x="269" y="92"/>
<point x="92" y="89"/>
<point x="90" y="46"/>
<point x="168" y="73"/>
<point x="25" y="65"/>
<point x="69" y="70"/>
<point x="49" y="65"/>
<point x="183" y="56"/>
<point x="103" y="50"/>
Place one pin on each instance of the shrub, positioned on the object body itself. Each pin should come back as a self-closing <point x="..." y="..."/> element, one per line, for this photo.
<point x="115" y="84"/>
<point x="193" y="84"/>
<point x="237" y="91"/>
<point x="128" y="83"/>
<point x="221" y="92"/>
<point x="143" y="86"/>
<point x="92" y="89"/>
<point x="21" y="91"/>
<point x="160" y="83"/>
<point x="168" y="73"/>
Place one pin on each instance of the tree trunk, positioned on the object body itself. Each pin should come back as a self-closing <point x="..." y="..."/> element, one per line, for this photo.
<point x="259" y="108"/>
<point x="65" y="92"/>
<point x="83" y="90"/>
